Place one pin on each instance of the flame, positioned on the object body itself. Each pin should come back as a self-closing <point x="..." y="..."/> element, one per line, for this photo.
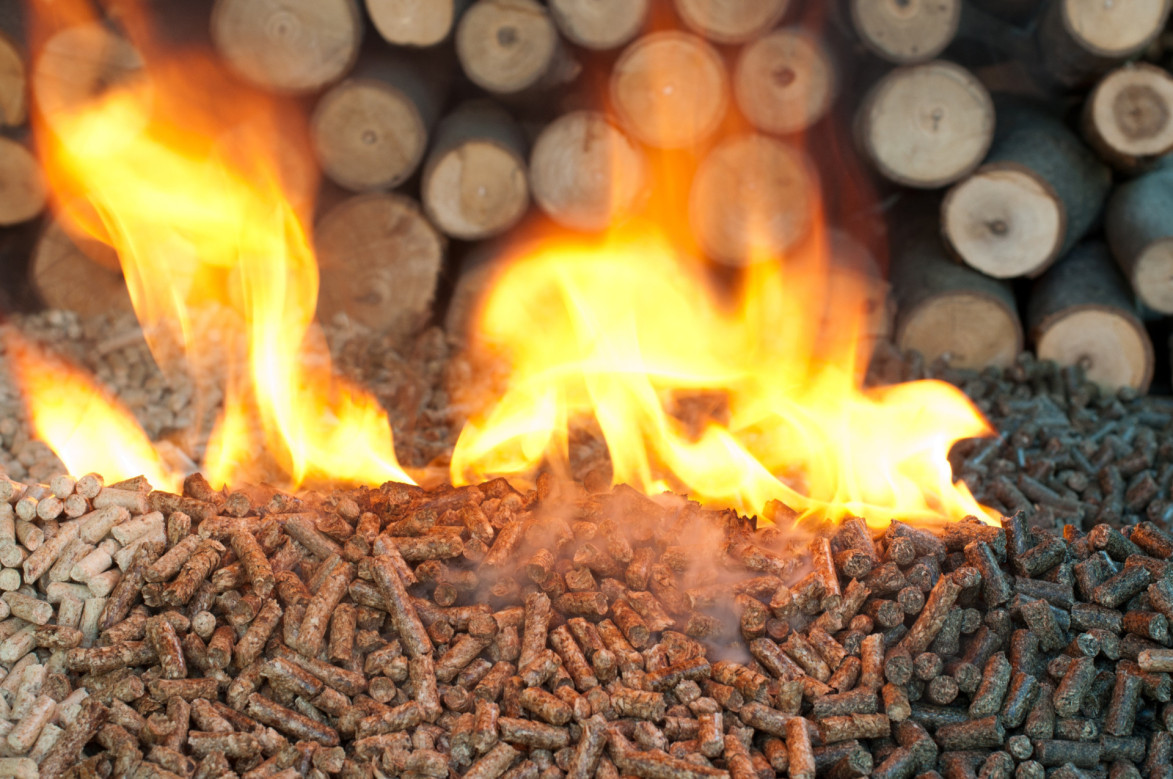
<point x="621" y="331"/>
<point x="88" y="429"/>
<point x="177" y="168"/>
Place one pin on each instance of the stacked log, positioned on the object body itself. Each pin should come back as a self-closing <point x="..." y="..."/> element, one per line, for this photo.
<point x="1035" y="122"/>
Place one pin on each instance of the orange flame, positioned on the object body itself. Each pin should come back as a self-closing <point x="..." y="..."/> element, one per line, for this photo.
<point x="177" y="168"/>
<point x="620" y="330"/>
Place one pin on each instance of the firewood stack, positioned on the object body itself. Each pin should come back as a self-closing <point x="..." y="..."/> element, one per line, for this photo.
<point x="1024" y="139"/>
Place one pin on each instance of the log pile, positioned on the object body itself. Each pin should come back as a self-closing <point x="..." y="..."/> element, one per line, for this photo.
<point x="565" y="631"/>
<point x="447" y="131"/>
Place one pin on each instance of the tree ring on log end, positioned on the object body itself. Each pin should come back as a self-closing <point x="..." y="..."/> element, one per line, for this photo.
<point x="368" y="135"/>
<point x="927" y="125"/>
<point x="1114" y="29"/>
<point x="731" y="21"/>
<point x="784" y="82"/>
<point x="1004" y="221"/>
<point x="670" y="89"/>
<point x="476" y="190"/>
<point x="1130" y="112"/>
<point x="906" y="31"/>
<point x="1112" y="346"/>
<point x="506" y="46"/>
<point x="412" y="22"/>
<point x="975" y="331"/>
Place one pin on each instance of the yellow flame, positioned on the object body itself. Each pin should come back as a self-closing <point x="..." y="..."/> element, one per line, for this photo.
<point x="621" y="329"/>
<point x="89" y="430"/>
<point x="218" y="263"/>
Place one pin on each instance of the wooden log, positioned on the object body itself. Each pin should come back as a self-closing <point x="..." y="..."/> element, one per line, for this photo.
<point x="370" y="131"/>
<point x="784" y="82"/>
<point x="23" y="190"/>
<point x="380" y="260"/>
<point x="293" y="46"/>
<point x="507" y="46"/>
<point x="670" y="89"/>
<point x="13" y="83"/>
<point x="1037" y="195"/>
<point x="77" y="274"/>
<point x="1082" y="312"/>
<point x="475" y="183"/>
<point x="927" y="125"/>
<point x="1128" y="117"/>
<point x="599" y="24"/>
<point x="585" y="173"/>
<point x="417" y="23"/>
<point x="79" y="64"/>
<point x="1079" y="40"/>
<point x="731" y="21"/>
<point x="752" y="199"/>
<point x="1139" y="227"/>
<point x="945" y="309"/>
<point x="906" y="31"/>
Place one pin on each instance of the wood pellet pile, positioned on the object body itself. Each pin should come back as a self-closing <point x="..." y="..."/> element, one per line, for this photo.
<point x="485" y="632"/>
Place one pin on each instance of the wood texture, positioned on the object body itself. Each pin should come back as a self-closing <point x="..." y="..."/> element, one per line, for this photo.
<point x="785" y="81"/>
<point x="79" y="64"/>
<point x="731" y="21"/>
<point x="906" y="31"/>
<point x="926" y="125"/>
<point x="13" y="83"/>
<point x="1079" y="40"/>
<point x="1082" y="312"/>
<point x="506" y="46"/>
<point x="1139" y="227"/>
<point x="1128" y="116"/>
<point x="77" y="275"/>
<point x="414" y="22"/>
<point x="599" y="24"/>
<point x="380" y="260"/>
<point x="294" y="46"/>
<point x="23" y="190"/>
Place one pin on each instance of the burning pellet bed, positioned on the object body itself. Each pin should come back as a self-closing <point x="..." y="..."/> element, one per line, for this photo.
<point x="480" y="631"/>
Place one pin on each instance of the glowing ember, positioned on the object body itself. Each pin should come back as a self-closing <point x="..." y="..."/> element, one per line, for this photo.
<point x="621" y="330"/>
<point x="218" y="264"/>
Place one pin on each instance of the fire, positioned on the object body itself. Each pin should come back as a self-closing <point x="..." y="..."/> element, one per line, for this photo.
<point x="177" y="168"/>
<point x="621" y="331"/>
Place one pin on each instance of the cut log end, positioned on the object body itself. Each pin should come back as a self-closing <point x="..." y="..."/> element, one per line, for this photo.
<point x="79" y="64"/>
<point x="288" y="45"/>
<point x="77" y="276"/>
<point x="1152" y="275"/>
<point x="1128" y="118"/>
<point x="784" y="82"/>
<point x="906" y="31"/>
<point x="368" y="135"/>
<point x="599" y="24"/>
<point x="753" y="197"/>
<point x="670" y="89"/>
<point x="1115" y="30"/>
<point x="506" y="46"/>
<point x="1112" y="347"/>
<point x="584" y="172"/>
<point x="970" y="329"/>
<point x="13" y="87"/>
<point x="418" y="23"/>
<point x="731" y="21"/>
<point x="927" y="125"/>
<point x="1004" y="221"/>
<point x="380" y="261"/>
<point x="23" y="192"/>
<point x="476" y="190"/>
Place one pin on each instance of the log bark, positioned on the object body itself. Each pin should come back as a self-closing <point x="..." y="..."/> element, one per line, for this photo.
<point x="731" y="21"/>
<point x="13" y="83"/>
<point x="599" y="24"/>
<point x="585" y="173"/>
<point x="945" y="309"/>
<point x="475" y="182"/>
<point x="1128" y="117"/>
<point x="77" y="274"/>
<point x="1139" y="226"/>
<point x="906" y="31"/>
<point x="1038" y="194"/>
<point x="380" y="260"/>
<point x="417" y="23"/>
<point x="752" y="199"/>
<point x="79" y="64"/>
<point x="670" y="89"/>
<point x="927" y="125"/>
<point x="1082" y="312"/>
<point x="23" y="190"/>
<point x="784" y="82"/>
<point x="370" y="131"/>
<point x="507" y="46"/>
<point x="1080" y="40"/>
<point x="292" y="46"/>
